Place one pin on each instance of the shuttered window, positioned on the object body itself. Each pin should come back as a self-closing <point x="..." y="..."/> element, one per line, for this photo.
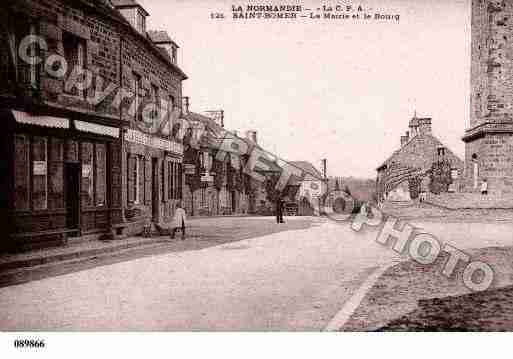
<point x="55" y="173"/>
<point x="22" y="173"/>
<point x="147" y="181"/>
<point x="179" y="175"/>
<point x="131" y="175"/>
<point x="170" y="174"/>
<point x="101" y="175"/>
<point x="165" y="184"/>
<point x="87" y="187"/>
<point x="40" y="172"/>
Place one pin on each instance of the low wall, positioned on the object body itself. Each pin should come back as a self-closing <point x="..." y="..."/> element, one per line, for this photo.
<point x="470" y="201"/>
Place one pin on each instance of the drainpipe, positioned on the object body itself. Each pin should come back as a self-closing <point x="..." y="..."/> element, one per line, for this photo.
<point x="122" y="131"/>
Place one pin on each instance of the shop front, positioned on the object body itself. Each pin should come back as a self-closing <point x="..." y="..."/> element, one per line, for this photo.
<point x="64" y="179"/>
<point x="153" y="181"/>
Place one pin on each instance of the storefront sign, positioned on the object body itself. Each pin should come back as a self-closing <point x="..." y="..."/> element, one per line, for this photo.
<point x="153" y="141"/>
<point x="39" y="168"/>
<point x="97" y="129"/>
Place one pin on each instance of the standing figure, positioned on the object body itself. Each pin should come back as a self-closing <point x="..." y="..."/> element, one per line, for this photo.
<point x="279" y="210"/>
<point x="178" y="221"/>
<point x="484" y="187"/>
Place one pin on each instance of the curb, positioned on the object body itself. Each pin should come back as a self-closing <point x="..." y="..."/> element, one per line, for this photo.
<point x="32" y="262"/>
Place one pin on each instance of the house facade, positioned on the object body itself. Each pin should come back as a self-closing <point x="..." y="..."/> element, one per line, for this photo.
<point x="87" y="98"/>
<point x="310" y="188"/>
<point x="422" y="163"/>
<point x="214" y="185"/>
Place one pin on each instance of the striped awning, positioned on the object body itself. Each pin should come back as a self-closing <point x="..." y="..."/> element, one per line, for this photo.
<point x="45" y="121"/>
<point x="97" y="129"/>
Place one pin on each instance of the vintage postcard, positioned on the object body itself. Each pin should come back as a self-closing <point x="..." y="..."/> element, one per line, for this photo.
<point x="235" y="166"/>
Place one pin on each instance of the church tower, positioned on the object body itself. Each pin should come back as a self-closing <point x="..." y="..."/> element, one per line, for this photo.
<point x="489" y="135"/>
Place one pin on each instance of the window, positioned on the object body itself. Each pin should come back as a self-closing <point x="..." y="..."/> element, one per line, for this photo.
<point x="55" y="173"/>
<point x="131" y="177"/>
<point x="87" y="188"/>
<point x="141" y="22"/>
<point x="22" y="173"/>
<point x="75" y="55"/>
<point x="39" y="171"/>
<point x="101" y="171"/>
<point x="136" y="179"/>
<point x="137" y="171"/>
<point x="137" y="84"/>
<point x="173" y="54"/>
<point x="162" y="180"/>
<point x="179" y="175"/>
<point x="156" y="102"/>
<point x="171" y="181"/>
<point x="14" y="70"/>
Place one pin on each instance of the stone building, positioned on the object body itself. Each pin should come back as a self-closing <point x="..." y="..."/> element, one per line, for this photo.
<point x="489" y="137"/>
<point x="212" y="186"/>
<point x="88" y="150"/>
<point x="310" y="188"/>
<point x="419" y="164"/>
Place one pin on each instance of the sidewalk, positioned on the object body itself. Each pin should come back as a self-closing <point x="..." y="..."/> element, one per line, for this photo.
<point x="201" y="232"/>
<point x="77" y="249"/>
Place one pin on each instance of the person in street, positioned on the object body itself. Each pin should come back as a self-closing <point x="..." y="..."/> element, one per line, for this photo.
<point x="279" y="210"/>
<point x="178" y="222"/>
<point x="484" y="187"/>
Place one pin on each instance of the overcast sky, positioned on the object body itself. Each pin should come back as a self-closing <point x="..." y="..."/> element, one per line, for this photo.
<point x="341" y="90"/>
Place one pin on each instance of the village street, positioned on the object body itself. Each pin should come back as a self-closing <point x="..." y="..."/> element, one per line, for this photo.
<point x="292" y="280"/>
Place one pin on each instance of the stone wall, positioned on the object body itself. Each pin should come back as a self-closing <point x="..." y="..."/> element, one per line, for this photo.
<point x="492" y="65"/>
<point x="493" y="155"/>
<point x="112" y="49"/>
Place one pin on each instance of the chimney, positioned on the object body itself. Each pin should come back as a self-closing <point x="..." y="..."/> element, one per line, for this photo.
<point x="424" y="126"/>
<point x="185" y="105"/>
<point x="252" y="136"/>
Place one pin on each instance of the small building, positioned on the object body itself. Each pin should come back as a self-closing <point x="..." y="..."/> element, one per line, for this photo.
<point x="310" y="188"/>
<point x="422" y="163"/>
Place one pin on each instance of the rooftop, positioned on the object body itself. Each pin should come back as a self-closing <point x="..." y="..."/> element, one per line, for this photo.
<point x="127" y="4"/>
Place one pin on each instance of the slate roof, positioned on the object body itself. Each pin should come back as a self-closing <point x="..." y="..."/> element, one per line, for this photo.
<point x="311" y="173"/>
<point x="159" y="36"/>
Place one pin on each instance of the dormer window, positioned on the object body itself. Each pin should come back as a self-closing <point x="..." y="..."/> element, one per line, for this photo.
<point x="133" y="13"/>
<point x="162" y="40"/>
<point x="141" y="22"/>
<point x="173" y="55"/>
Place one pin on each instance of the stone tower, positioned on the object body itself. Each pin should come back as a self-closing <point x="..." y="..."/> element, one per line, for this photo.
<point x="489" y="137"/>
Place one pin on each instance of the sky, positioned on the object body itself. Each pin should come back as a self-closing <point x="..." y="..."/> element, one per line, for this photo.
<point x="342" y="90"/>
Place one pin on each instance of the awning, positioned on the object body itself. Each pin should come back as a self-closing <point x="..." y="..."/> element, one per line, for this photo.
<point x="97" y="129"/>
<point x="45" y="121"/>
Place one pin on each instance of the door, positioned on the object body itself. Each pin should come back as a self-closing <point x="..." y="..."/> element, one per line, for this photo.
<point x="234" y="202"/>
<point x="72" y="194"/>
<point x="155" y="189"/>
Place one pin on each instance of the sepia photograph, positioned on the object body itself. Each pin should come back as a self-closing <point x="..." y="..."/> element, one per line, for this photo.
<point x="214" y="166"/>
